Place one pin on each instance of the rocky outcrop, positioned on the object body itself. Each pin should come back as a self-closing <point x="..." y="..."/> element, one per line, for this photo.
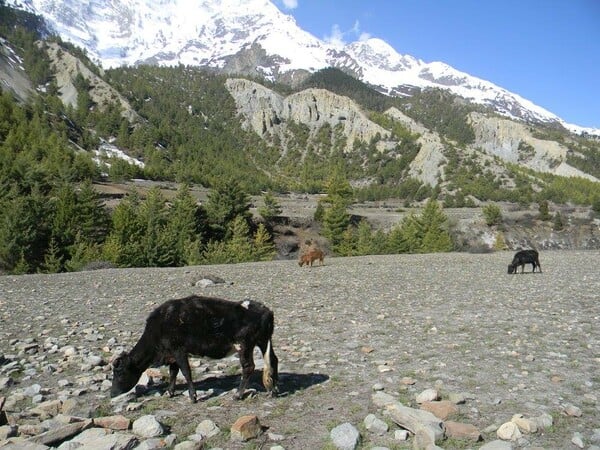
<point x="12" y="72"/>
<point x="66" y="68"/>
<point x="267" y="113"/>
<point x="431" y="156"/>
<point x="513" y="142"/>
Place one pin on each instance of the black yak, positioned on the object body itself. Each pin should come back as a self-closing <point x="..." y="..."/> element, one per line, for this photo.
<point x="523" y="257"/>
<point x="200" y="326"/>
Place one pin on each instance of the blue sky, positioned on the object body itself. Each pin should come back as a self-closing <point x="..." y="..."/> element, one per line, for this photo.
<point x="547" y="51"/>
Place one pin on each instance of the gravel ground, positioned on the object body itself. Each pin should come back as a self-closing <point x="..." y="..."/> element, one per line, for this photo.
<point x="511" y="344"/>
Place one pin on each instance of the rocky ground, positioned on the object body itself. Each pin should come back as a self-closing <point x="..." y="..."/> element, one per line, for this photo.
<point x="364" y="344"/>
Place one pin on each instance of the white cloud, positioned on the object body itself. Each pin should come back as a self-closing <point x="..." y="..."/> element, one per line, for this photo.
<point x="338" y="37"/>
<point x="290" y="4"/>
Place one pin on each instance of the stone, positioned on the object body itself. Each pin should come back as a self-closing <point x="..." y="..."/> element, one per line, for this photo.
<point x="401" y="435"/>
<point x="382" y="399"/>
<point x="416" y="420"/>
<point x="496" y="445"/>
<point x="442" y="409"/>
<point x="147" y="427"/>
<point x="525" y="425"/>
<point x="572" y="410"/>
<point x="577" y="440"/>
<point x="7" y="431"/>
<point x="188" y="445"/>
<point x="118" y="422"/>
<point x="62" y="433"/>
<point x="113" y="441"/>
<point x="375" y="425"/>
<point x="152" y="444"/>
<point x="457" y="398"/>
<point x="509" y="431"/>
<point x="246" y="428"/>
<point x="459" y="430"/>
<point x="207" y="428"/>
<point x="428" y="395"/>
<point x="345" y="436"/>
<point x="48" y="408"/>
<point x="5" y="383"/>
<point x="544" y="421"/>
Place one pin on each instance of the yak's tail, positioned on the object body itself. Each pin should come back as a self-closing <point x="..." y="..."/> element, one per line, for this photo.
<point x="269" y="375"/>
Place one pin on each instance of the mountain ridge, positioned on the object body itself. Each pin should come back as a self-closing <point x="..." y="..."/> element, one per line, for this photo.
<point x="229" y="37"/>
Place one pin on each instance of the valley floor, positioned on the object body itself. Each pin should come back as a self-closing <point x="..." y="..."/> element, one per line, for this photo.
<point x="510" y="344"/>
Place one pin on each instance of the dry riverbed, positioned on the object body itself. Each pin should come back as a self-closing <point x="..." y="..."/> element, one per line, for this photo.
<point x="494" y="345"/>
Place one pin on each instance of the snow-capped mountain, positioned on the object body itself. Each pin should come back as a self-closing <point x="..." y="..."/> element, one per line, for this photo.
<point x="255" y="37"/>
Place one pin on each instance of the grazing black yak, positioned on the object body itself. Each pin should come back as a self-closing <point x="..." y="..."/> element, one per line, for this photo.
<point x="523" y="257"/>
<point x="200" y="326"/>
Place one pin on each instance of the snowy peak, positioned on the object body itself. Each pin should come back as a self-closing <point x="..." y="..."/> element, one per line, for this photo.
<point x="254" y="37"/>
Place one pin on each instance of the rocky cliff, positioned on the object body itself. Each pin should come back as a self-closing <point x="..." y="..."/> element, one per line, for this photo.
<point x="268" y="113"/>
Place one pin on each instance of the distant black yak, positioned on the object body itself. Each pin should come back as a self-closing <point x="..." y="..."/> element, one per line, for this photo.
<point x="523" y="257"/>
<point x="200" y="326"/>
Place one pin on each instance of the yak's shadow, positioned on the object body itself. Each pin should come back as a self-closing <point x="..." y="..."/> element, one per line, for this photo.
<point x="213" y="386"/>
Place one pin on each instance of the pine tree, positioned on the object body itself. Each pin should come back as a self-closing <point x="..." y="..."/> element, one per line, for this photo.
<point x="264" y="250"/>
<point x="52" y="259"/>
<point x="226" y="201"/>
<point x="364" y="239"/>
<point x="335" y="222"/>
<point x="433" y="223"/>
<point x="183" y="227"/>
<point x="124" y="243"/>
<point x="544" y="210"/>
<point x="153" y="217"/>
<point x="271" y="208"/>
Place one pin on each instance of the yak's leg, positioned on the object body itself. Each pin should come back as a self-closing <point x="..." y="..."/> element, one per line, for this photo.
<point x="247" y="362"/>
<point x="184" y="365"/>
<point x="173" y="371"/>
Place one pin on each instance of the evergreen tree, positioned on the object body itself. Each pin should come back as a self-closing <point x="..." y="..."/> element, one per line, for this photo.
<point x="492" y="214"/>
<point x="335" y="222"/>
<point x="364" y="239"/>
<point x="544" y="211"/>
<point x="271" y="208"/>
<point x="264" y="250"/>
<point x="435" y="236"/>
<point x="558" y="222"/>
<point x="346" y="246"/>
<point x="123" y="246"/>
<point x="52" y="259"/>
<point x="183" y="227"/>
<point x="226" y="201"/>
<point x="156" y="250"/>
<point x="407" y="236"/>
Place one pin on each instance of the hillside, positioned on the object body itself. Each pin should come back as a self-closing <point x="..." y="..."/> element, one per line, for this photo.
<point x="67" y="126"/>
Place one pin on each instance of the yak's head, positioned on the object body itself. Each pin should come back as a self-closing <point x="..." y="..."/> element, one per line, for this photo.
<point x="512" y="268"/>
<point x="125" y="376"/>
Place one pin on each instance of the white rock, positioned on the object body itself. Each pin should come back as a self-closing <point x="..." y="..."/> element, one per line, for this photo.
<point x="345" y="436"/>
<point x="577" y="440"/>
<point x="401" y="435"/>
<point x="375" y="425"/>
<point x="147" y="427"/>
<point x="509" y="431"/>
<point x="207" y="428"/>
<point x="428" y="395"/>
